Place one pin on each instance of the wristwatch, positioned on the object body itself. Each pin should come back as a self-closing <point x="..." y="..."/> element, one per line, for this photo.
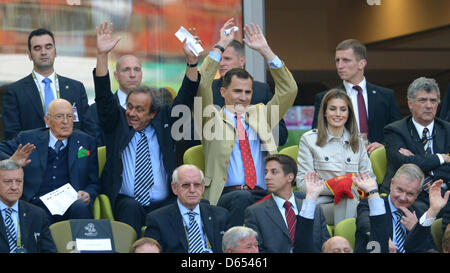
<point x="220" y="48"/>
<point x="372" y="192"/>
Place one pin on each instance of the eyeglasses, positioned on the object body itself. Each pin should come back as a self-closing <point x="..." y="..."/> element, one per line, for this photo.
<point x="60" y="117"/>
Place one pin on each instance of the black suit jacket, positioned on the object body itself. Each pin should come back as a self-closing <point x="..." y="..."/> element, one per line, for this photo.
<point x="35" y="234"/>
<point x="380" y="229"/>
<point x="403" y="134"/>
<point x="383" y="109"/>
<point x="22" y="106"/>
<point x="261" y="94"/>
<point x="83" y="170"/>
<point x="445" y="107"/>
<point x="118" y="133"/>
<point x="273" y="236"/>
<point x="166" y="226"/>
<point x="99" y="135"/>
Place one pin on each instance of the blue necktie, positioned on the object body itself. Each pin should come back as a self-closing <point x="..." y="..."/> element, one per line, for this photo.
<point x="48" y="93"/>
<point x="58" y="145"/>
<point x="399" y="232"/>
<point x="194" y="236"/>
<point x="10" y="230"/>
<point x="143" y="180"/>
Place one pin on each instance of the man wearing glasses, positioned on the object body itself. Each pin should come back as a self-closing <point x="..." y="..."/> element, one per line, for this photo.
<point x="63" y="155"/>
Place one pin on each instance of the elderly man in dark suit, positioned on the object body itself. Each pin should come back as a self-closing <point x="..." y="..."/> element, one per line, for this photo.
<point x="276" y="218"/>
<point x="374" y="106"/>
<point x="188" y="226"/>
<point x="393" y="223"/>
<point x="140" y="150"/>
<point x="421" y="139"/>
<point x="62" y="155"/>
<point x="19" y="218"/>
<point x="25" y="102"/>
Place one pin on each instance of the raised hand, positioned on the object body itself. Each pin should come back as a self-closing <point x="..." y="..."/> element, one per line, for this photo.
<point x="437" y="202"/>
<point x="22" y="154"/>
<point x="364" y="182"/>
<point x="226" y="39"/>
<point x="409" y="220"/>
<point x="105" y="42"/>
<point x="257" y="41"/>
<point x="314" y="186"/>
<point x="190" y="56"/>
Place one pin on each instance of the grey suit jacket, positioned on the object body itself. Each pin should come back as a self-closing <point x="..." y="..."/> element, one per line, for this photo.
<point x="273" y="236"/>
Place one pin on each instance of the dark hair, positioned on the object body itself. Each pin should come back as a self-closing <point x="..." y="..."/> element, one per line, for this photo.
<point x="287" y="163"/>
<point x="155" y="105"/>
<point x="359" y="49"/>
<point x="238" y="47"/>
<point x="39" y="32"/>
<point x="350" y="124"/>
<point x="238" y="72"/>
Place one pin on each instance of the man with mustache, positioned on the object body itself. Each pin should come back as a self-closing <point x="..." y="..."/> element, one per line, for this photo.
<point x="26" y="101"/>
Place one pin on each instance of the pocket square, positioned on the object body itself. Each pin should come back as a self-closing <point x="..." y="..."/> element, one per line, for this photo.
<point x="83" y="152"/>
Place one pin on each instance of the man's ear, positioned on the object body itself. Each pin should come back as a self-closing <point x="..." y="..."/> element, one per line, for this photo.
<point x="362" y="64"/>
<point x="222" y="91"/>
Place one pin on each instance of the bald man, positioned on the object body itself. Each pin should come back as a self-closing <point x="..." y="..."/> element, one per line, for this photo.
<point x="54" y="156"/>
<point x="129" y="75"/>
<point x="337" y="244"/>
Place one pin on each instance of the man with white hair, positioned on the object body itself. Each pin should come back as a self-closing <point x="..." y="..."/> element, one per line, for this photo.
<point x="240" y="239"/>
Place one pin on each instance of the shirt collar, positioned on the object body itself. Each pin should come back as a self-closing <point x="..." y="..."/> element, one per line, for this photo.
<point x="184" y="210"/>
<point x="420" y="127"/>
<point x="15" y="207"/>
<point x="53" y="139"/>
<point x="39" y="77"/>
<point x="280" y="201"/>
<point x="349" y="86"/>
<point x="391" y="206"/>
<point x="122" y="98"/>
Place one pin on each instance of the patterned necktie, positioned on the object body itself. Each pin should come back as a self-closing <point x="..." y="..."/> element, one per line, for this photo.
<point x="290" y="219"/>
<point x="194" y="236"/>
<point x="10" y="230"/>
<point x="362" y="113"/>
<point x="58" y="145"/>
<point x="48" y="93"/>
<point x="249" y="165"/>
<point x="399" y="232"/>
<point x="428" y="179"/>
<point x="143" y="172"/>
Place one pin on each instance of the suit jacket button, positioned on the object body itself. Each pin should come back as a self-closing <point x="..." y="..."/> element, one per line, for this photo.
<point x="348" y="159"/>
<point x="326" y="158"/>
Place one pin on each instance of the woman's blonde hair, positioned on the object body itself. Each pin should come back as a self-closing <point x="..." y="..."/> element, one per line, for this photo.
<point x="350" y="124"/>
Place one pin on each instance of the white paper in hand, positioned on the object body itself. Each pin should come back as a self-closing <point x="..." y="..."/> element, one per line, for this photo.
<point x="195" y="47"/>
<point x="59" y="200"/>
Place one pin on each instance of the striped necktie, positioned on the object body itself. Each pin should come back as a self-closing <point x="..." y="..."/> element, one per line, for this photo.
<point x="10" y="230"/>
<point x="399" y="232"/>
<point x="143" y="172"/>
<point x="194" y="236"/>
<point x="48" y="93"/>
<point x="428" y="179"/>
<point x="290" y="219"/>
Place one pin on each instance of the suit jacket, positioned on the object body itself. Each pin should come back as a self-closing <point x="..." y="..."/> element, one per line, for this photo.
<point x="403" y="134"/>
<point x="99" y="135"/>
<point x="34" y="231"/>
<point x="380" y="229"/>
<point x="261" y="94"/>
<point x="383" y="109"/>
<point x="118" y="133"/>
<point x="166" y="226"/>
<point x="445" y="107"/>
<point x="83" y="171"/>
<point x="273" y="236"/>
<point x="217" y="150"/>
<point x="23" y="110"/>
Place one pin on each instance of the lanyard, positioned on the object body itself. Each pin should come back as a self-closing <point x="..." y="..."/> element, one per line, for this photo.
<point x="40" y="88"/>
<point x="204" y="237"/>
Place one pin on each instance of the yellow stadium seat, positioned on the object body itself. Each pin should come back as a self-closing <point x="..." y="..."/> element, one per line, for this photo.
<point x="347" y="228"/>
<point x="194" y="156"/>
<point x="378" y="160"/>
<point x="105" y="207"/>
<point x="123" y="235"/>
<point x="101" y="154"/>
<point x="293" y="138"/>
<point x="291" y="151"/>
<point x="436" y="232"/>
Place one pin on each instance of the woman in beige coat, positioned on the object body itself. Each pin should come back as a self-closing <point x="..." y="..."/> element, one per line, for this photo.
<point x="334" y="149"/>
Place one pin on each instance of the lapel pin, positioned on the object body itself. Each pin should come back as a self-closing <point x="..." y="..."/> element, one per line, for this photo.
<point x="209" y="218"/>
<point x="374" y="92"/>
<point x="67" y="87"/>
<point x="24" y="214"/>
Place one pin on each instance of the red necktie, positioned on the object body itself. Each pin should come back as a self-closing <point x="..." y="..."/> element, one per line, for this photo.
<point x="249" y="166"/>
<point x="363" y="123"/>
<point x="290" y="219"/>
